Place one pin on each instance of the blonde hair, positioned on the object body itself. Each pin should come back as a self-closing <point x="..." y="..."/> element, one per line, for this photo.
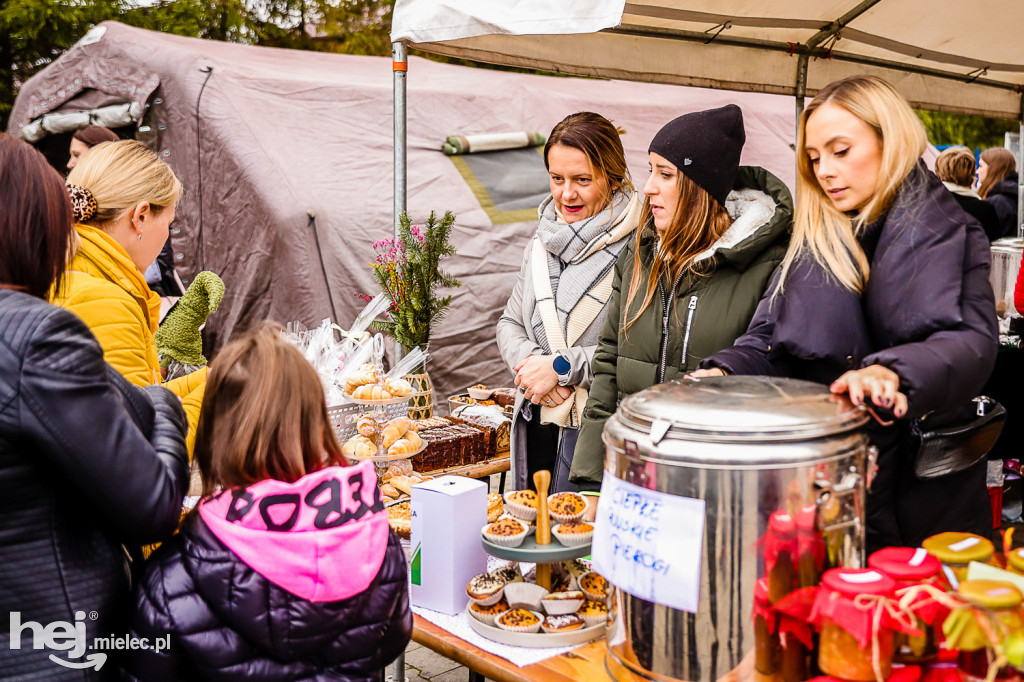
<point x="956" y="165"/>
<point x="123" y="174"/>
<point x="699" y="221"/>
<point x="819" y="228"/>
<point x="1000" y="162"/>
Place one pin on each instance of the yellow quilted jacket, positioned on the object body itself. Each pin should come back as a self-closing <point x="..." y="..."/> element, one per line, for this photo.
<point x="105" y="289"/>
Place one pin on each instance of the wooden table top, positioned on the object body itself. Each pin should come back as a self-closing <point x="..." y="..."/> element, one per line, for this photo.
<point x="585" y="662"/>
<point x="494" y="465"/>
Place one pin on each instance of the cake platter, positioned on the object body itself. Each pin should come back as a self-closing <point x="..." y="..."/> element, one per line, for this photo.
<point x="543" y="640"/>
<point x="534" y="553"/>
<point x="387" y="401"/>
<point x="384" y="459"/>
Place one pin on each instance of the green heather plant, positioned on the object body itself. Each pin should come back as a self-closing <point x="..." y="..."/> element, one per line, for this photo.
<point x="408" y="271"/>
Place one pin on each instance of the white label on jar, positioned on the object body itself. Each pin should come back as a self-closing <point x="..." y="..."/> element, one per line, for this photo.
<point x="964" y="544"/>
<point x="919" y="556"/>
<point x="861" y="578"/>
<point x="649" y="543"/>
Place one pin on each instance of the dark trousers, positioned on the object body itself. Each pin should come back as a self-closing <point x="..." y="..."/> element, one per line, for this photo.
<point x="549" y="447"/>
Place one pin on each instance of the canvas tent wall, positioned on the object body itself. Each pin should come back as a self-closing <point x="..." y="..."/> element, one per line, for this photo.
<point x="286" y="158"/>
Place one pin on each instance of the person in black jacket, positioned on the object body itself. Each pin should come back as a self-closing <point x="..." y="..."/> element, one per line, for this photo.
<point x="997" y="184"/>
<point x="884" y="295"/>
<point x="88" y="462"/>
<point x="955" y="167"/>
<point x="288" y="569"/>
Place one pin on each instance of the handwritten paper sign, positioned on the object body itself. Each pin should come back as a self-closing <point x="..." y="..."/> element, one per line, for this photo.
<point x="649" y="543"/>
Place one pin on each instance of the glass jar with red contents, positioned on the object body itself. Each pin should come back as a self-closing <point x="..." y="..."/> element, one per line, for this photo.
<point x="991" y="617"/>
<point x="908" y="567"/>
<point x="855" y="637"/>
<point x="766" y="636"/>
<point x="780" y="555"/>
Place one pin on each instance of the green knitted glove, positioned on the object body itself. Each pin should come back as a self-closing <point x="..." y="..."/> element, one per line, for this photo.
<point x="178" y="336"/>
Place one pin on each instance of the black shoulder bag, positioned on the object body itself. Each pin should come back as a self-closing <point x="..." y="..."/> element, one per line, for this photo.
<point x="953" y="440"/>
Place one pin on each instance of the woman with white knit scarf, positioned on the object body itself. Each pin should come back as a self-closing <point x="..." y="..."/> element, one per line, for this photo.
<point x="550" y="327"/>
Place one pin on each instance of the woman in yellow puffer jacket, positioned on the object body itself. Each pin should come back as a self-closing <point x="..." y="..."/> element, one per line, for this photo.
<point x="122" y="221"/>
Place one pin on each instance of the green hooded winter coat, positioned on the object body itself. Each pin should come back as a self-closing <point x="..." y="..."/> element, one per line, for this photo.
<point x="704" y="313"/>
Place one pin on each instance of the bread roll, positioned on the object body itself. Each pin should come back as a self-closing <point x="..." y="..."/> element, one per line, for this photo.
<point x="388" y="490"/>
<point x="395" y="429"/>
<point x="366" y="426"/>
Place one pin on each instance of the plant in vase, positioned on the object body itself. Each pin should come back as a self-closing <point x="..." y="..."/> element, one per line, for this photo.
<point x="408" y="270"/>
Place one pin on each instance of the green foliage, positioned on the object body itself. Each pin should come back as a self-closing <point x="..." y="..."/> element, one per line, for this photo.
<point x="409" y="272"/>
<point x="974" y="132"/>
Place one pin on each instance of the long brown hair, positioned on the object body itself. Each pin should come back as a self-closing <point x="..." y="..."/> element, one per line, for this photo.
<point x="1001" y="162"/>
<point x="35" y="220"/>
<point x="598" y="139"/>
<point x="263" y="415"/>
<point x="699" y="222"/>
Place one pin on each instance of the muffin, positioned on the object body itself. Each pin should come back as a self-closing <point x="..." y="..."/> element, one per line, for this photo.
<point x="522" y="503"/>
<point x="518" y="620"/>
<point x="531" y="526"/>
<point x="487" y="614"/>
<point x="593" y="613"/>
<point x="562" y="623"/>
<point x="509" y="574"/>
<point x="485" y="589"/>
<point x="505" y="532"/>
<point x="524" y="595"/>
<point x="565" y="507"/>
<point x="573" y="533"/>
<point x="560" y="603"/>
<point x="594" y="586"/>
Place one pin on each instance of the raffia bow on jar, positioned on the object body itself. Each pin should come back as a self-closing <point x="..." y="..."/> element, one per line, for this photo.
<point x="856" y="613"/>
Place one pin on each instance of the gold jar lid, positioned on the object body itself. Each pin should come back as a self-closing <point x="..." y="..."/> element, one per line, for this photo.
<point x="991" y="594"/>
<point x="959" y="548"/>
<point x="1016" y="558"/>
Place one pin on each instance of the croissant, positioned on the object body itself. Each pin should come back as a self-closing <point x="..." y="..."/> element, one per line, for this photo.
<point x="401" y="447"/>
<point x="370" y="392"/>
<point x="394" y="430"/>
<point x="367" y="427"/>
<point x="359" y="446"/>
<point x="414" y="439"/>
<point x="398" y="387"/>
<point x="359" y="378"/>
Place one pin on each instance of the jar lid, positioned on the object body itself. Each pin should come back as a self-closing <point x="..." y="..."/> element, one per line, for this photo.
<point x="1016" y="558"/>
<point x="959" y="548"/>
<point x="761" y="594"/>
<point x="991" y="594"/>
<point x="781" y="524"/>
<point x="742" y="409"/>
<point x="851" y="582"/>
<point x="905" y="563"/>
<point x="807" y="518"/>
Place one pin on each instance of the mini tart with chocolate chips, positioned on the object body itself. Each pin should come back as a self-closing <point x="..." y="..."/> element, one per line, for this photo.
<point x="565" y="507"/>
<point x="505" y="532"/>
<point x="518" y="620"/>
<point x="593" y="613"/>
<point x="594" y="586"/>
<point x="487" y="614"/>
<point x="522" y="503"/>
<point x="573" y="533"/>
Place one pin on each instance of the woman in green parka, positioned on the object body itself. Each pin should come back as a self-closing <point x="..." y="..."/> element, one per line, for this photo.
<point x="712" y="235"/>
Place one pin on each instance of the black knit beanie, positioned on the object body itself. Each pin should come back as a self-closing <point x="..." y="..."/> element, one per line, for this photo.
<point x="705" y="146"/>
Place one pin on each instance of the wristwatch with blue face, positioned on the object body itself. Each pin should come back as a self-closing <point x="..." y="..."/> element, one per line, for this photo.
<point x="561" y="367"/>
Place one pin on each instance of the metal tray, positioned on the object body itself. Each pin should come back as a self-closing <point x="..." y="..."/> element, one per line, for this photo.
<point x="535" y="640"/>
<point x="532" y="552"/>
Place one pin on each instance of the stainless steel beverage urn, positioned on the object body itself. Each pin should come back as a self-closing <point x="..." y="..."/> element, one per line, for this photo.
<point x="748" y="450"/>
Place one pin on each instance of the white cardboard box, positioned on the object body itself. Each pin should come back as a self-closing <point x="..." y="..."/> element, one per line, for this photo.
<point x="447" y="516"/>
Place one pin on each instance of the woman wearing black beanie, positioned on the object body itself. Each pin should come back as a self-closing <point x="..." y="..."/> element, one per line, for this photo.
<point x="712" y="235"/>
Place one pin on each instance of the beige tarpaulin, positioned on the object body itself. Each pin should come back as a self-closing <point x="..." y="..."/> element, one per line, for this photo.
<point x="955" y="55"/>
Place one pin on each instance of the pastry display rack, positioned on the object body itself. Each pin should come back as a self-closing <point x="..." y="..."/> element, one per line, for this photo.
<point x="542" y="549"/>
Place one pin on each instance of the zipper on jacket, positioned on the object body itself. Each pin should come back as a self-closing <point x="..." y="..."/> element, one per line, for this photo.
<point x="667" y="307"/>
<point x="686" y="332"/>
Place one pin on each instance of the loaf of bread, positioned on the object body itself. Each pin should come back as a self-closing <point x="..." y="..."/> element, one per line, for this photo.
<point x="394" y="430"/>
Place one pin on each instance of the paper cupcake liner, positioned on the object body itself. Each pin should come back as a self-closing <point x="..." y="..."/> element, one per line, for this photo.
<point x="555" y="631"/>
<point x="485" y="618"/>
<point x="521" y="628"/>
<point x="594" y="619"/>
<point x="563" y="518"/>
<point x="572" y="539"/>
<point x="524" y="595"/>
<point x="504" y="540"/>
<point x="521" y="510"/>
<point x="592" y="596"/>
<point x="488" y="600"/>
<point x="560" y="607"/>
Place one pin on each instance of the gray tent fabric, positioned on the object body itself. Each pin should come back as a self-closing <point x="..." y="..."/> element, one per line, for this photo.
<point x="286" y="159"/>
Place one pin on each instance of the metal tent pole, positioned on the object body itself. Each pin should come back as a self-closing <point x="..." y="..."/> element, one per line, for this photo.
<point x="1020" y="171"/>
<point x="399" y="67"/>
